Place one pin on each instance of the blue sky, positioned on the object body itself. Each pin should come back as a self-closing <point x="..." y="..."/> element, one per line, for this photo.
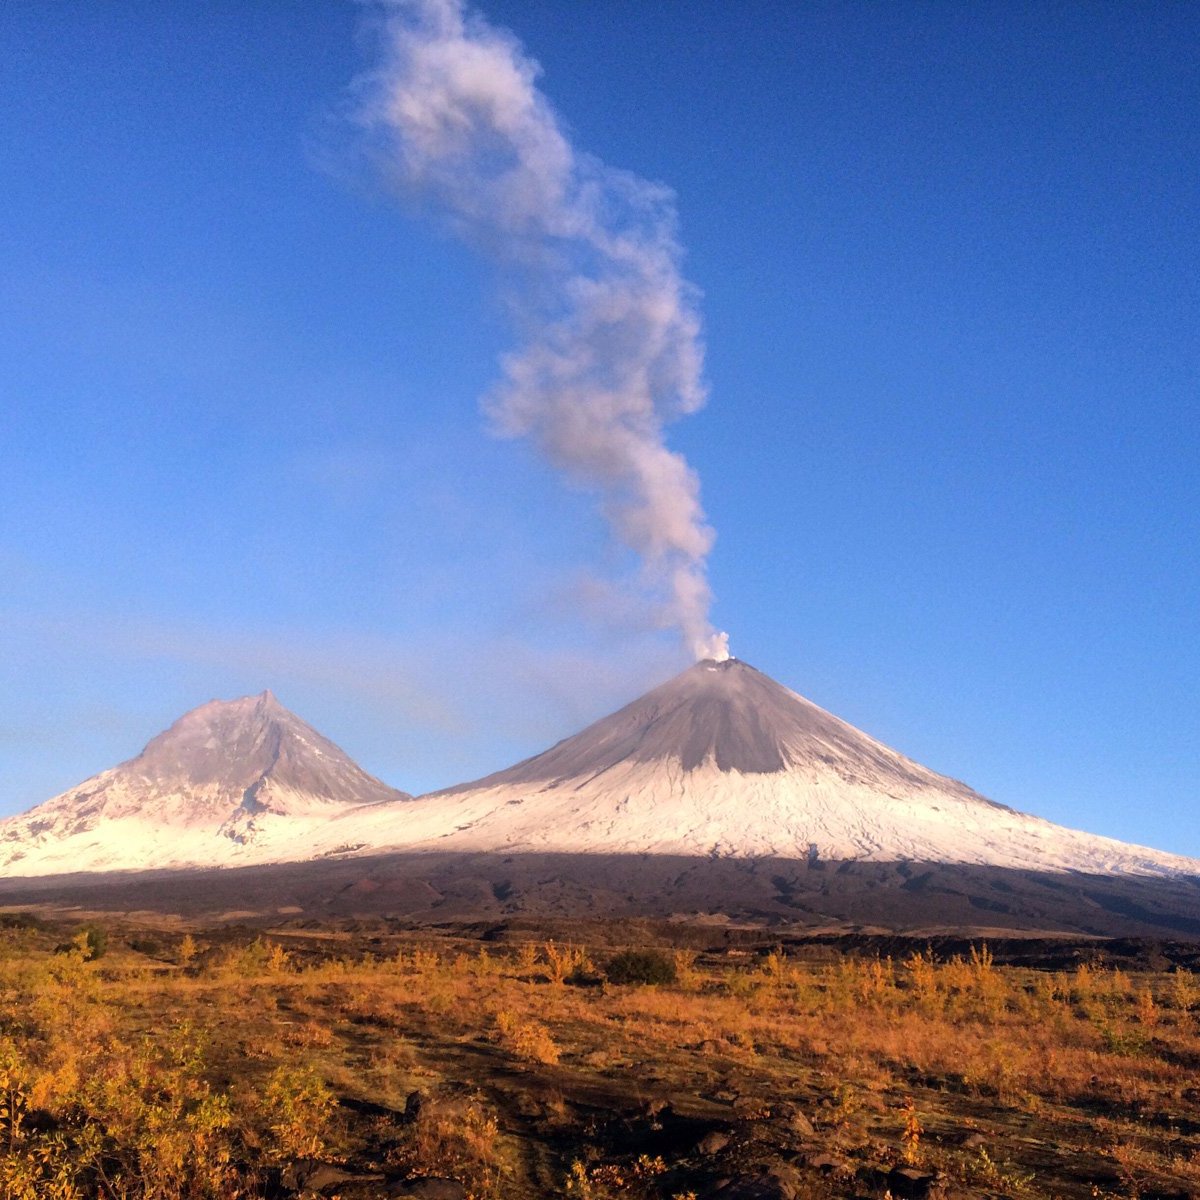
<point x="948" y="257"/>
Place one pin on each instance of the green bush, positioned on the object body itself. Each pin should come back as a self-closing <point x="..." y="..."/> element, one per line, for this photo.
<point x="641" y="966"/>
<point x="96" y="943"/>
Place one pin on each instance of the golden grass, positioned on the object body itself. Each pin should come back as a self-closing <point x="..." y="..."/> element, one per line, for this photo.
<point x="192" y="1074"/>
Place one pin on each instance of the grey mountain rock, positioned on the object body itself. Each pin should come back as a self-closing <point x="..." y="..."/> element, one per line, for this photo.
<point x="728" y="714"/>
<point x="720" y="762"/>
<point x="229" y="773"/>
<point x="724" y="761"/>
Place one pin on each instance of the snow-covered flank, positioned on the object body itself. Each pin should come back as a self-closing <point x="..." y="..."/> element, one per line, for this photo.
<point x="243" y="781"/>
<point x="722" y="760"/>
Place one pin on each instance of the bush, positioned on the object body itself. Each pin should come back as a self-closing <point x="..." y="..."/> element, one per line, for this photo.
<point x="20" y="920"/>
<point x="93" y="941"/>
<point x="641" y="966"/>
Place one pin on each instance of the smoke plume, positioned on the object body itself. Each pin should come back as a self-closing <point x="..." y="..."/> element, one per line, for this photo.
<point x="611" y="348"/>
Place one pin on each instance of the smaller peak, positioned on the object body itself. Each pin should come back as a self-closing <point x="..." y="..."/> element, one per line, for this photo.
<point x="260" y="702"/>
<point x="264" y="699"/>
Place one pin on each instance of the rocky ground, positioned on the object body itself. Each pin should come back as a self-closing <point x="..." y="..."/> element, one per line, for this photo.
<point x="783" y="896"/>
<point x="360" y="1059"/>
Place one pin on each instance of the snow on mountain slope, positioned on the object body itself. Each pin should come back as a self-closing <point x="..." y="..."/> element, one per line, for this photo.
<point x="722" y="760"/>
<point x="238" y="781"/>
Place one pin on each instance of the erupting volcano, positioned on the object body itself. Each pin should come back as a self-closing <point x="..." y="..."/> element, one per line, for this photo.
<point x="719" y="762"/>
<point x="724" y="761"/>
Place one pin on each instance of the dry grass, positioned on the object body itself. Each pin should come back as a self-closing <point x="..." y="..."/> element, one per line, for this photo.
<point x="193" y="1073"/>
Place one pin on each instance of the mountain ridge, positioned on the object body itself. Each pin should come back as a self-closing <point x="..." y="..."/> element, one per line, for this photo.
<point x="226" y="777"/>
<point x="724" y="761"/>
<point x="756" y="727"/>
<point x="719" y="762"/>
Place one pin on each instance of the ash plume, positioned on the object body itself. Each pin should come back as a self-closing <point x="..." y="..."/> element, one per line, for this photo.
<point x="610" y="347"/>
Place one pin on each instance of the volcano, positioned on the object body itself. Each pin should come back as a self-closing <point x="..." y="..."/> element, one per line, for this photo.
<point x="229" y="782"/>
<point x="722" y="761"/>
<point x="719" y="763"/>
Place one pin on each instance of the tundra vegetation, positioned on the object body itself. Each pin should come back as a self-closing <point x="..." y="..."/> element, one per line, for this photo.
<point x="310" y="1061"/>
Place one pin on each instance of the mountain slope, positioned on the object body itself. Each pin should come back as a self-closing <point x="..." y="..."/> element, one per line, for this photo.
<point x="723" y="761"/>
<point x="720" y="762"/>
<point x="230" y="782"/>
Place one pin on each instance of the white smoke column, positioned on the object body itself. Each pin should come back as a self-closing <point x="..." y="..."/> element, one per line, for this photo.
<point x="612" y="348"/>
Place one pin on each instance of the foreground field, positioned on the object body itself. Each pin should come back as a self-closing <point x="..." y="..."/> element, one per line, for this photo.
<point x="320" y="1062"/>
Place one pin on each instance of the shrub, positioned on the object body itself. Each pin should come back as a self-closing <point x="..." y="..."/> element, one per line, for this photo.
<point x="528" y="1040"/>
<point x="641" y="966"/>
<point x="20" y="920"/>
<point x="300" y="1107"/>
<point x="585" y="976"/>
<point x="532" y="1042"/>
<point x="564" y="962"/>
<point x="92" y="940"/>
<point x="187" y="950"/>
<point x="453" y="1137"/>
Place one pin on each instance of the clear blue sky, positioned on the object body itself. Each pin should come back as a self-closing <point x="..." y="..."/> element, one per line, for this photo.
<point x="949" y="258"/>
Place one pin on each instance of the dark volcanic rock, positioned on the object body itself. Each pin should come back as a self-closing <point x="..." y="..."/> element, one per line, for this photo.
<point x="431" y="888"/>
<point x="712" y="1143"/>
<point x="430" y="1188"/>
<point x="777" y="1182"/>
<point x="827" y="1164"/>
<point x="873" y="1176"/>
<point x="791" y="1117"/>
<point x="312" y="1175"/>
<point x="413" y="1103"/>
<point x="751" y="1108"/>
<point x="910" y="1183"/>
